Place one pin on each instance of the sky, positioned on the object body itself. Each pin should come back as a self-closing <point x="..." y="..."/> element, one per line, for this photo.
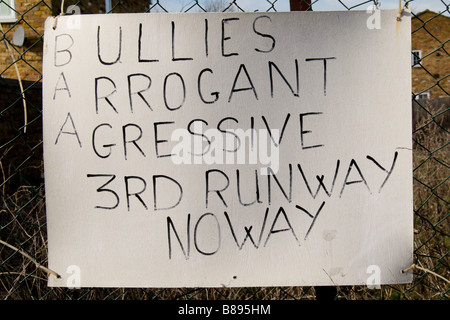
<point x="321" y="5"/>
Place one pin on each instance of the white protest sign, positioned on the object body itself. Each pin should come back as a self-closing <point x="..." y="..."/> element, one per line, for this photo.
<point x="231" y="149"/>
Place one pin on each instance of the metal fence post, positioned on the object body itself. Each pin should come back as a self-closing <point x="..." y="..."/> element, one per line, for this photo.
<point x="323" y="293"/>
<point x="300" y="5"/>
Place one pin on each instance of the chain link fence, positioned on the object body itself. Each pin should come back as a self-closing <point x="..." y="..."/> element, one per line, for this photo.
<point x="23" y="240"/>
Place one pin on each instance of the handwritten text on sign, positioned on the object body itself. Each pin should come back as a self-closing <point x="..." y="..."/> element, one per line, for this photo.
<point x="227" y="149"/>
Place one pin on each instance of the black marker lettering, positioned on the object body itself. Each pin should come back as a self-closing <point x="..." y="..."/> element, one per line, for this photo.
<point x="174" y="74"/>
<point x="170" y="226"/>
<point x="257" y="199"/>
<point x="103" y="189"/>
<point x="119" y="49"/>
<point x="324" y="71"/>
<point x="236" y="137"/>
<point x="224" y="38"/>
<point x="270" y="175"/>
<point x="387" y="171"/>
<point x="166" y="191"/>
<point x="126" y="141"/>
<point x="346" y="182"/>
<point x="297" y="87"/>
<point x="158" y="141"/>
<point x="320" y="179"/>
<point x="248" y="230"/>
<point x="282" y="130"/>
<point x="311" y="216"/>
<point x="66" y="50"/>
<point x="272" y="231"/>
<point x="217" y="191"/>
<point x="132" y="91"/>
<point x="65" y="88"/>
<point x="263" y="35"/>
<point x="73" y="132"/>
<point x="173" y="45"/>
<point x="251" y="87"/>
<point x="198" y="145"/>
<point x="206" y="37"/>
<point x="136" y="194"/>
<point x="140" y="47"/>
<point x="106" y="97"/>
<point x="213" y="94"/>
<point x="218" y="234"/>
<point x="103" y="156"/>
<point x="303" y="132"/>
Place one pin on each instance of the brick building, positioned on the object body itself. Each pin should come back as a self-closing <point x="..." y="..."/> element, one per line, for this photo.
<point x="430" y="57"/>
<point x="31" y="15"/>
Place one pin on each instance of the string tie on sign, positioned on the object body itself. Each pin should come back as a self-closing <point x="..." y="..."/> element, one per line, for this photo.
<point x="61" y="14"/>
<point x="401" y="9"/>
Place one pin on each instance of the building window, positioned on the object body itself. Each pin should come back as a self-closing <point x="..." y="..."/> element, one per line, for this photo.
<point x="423" y="95"/>
<point x="7" y="11"/>
<point x="416" y="56"/>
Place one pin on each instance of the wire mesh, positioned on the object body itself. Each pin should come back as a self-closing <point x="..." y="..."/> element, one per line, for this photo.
<point x="23" y="240"/>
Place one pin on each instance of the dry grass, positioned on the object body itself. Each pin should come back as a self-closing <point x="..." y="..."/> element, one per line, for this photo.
<point x="22" y="221"/>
